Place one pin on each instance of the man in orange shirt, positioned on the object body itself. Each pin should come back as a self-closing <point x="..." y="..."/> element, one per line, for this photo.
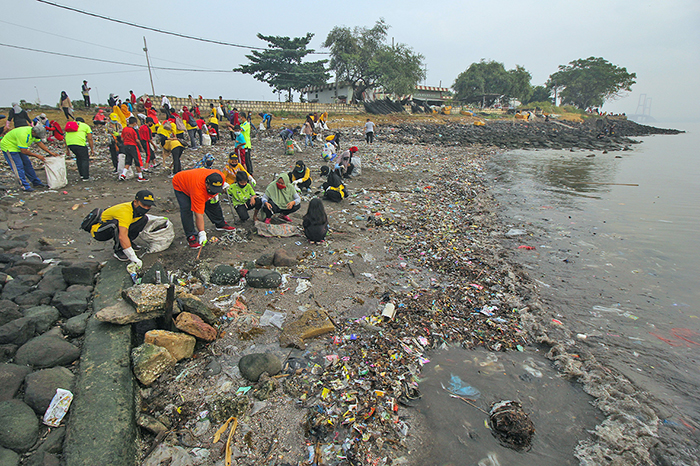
<point x="197" y="193"/>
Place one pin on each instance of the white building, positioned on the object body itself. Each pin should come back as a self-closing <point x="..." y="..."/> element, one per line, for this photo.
<point x="329" y="93"/>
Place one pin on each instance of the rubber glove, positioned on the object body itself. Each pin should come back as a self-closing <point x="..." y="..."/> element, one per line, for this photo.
<point x="202" y="237"/>
<point x="132" y="257"/>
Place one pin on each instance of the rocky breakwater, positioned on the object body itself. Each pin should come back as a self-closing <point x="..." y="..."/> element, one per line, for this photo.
<point x="598" y="134"/>
<point x="43" y="314"/>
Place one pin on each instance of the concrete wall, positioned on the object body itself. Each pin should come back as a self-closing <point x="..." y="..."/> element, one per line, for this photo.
<point x="263" y="107"/>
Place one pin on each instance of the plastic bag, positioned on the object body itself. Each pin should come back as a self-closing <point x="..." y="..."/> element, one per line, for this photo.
<point x="120" y="166"/>
<point x="357" y="162"/>
<point x="157" y="235"/>
<point x="56" y="172"/>
<point x="262" y="126"/>
<point x="273" y="318"/>
<point x="206" y="140"/>
<point x="282" y="230"/>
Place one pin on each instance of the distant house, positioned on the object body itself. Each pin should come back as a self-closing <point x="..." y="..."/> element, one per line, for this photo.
<point x="431" y="95"/>
<point x="326" y="94"/>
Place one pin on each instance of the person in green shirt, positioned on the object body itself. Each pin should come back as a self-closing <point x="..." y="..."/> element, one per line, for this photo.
<point x="243" y="197"/>
<point x="15" y="147"/>
<point x="245" y="129"/>
<point x="77" y="141"/>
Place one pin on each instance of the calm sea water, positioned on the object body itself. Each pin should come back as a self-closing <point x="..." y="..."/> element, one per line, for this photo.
<point x="617" y="258"/>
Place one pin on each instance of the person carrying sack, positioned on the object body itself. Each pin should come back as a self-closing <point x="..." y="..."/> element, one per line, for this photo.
<point x="122" y="223"/>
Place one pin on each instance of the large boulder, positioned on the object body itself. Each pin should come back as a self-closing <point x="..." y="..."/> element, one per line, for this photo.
<point x="123" y="313"/>
<point x="19" y="426"/>
<point x="11" y="378"/>
<point x="9" y="311"/>
<point x="179" y="345"/>
<point x="283" y="259"/>
<point x="263" y="278"/>
<point x="146" y="297"/>
<point x="17" y="332"/>
<point x="71" y="303"/>
<point x="7" y="244"/>
<point x="33" y="298"/>
<point x="190" y="303"/>
<point x="195" y="326"/>
<point x="253" y="365"/>
<point x="47" y="351"/>
<point x="75" y="326"/>
<point x="44" y="317"/>
<point x="7" y="352"/>
<point x="53" y="281"/>
<point x="150" y="361"/>
<point x="14" y="288"/>
<point x="225" y="275"/>
<point x="41" y="387"/>
<point x="78" y="275"/>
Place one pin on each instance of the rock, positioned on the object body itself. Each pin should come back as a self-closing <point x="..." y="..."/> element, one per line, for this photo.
<point x="41" y="387"/>
<point x="53" y="281"/>
<point x="33" y="298"/>
<point x="75" y="326"/>
<point x="263" y="278"/>
<point x="78" y="275"/>
<point x="53" y="443"/>
<point x="14" y="288"/>
<point x="213" y="368"/>
<point x="19" y="426"/>
<point x="123" y="313"/>
<point x="179" y="345"/>
<point x="8" y="457"/>
<point x="203" y="271"/>
<point x="265" y="260"/>
<point x="7" y="244"/>
<point x="146" y="298"/>
<point x="9" y="311"/>
<point x="11" y="378"/>
<point x="165" y="454"/>
<point x="17" y="332"/>
<point x="253" y="365"/>
<point x="150" y="361"/>
<point x="71" y="303"/>
<point x="312" y="323"/>
<point x="225" y="275"/>
<point x="283" y="259"/>
<point x="87" y="289"/>
<point x="150" y="276"/>
<point x="150" y="423"/>
<point x="43" y="316"/>
<point x="42" y="458"/>
<point x="190" y="303"/>
<point x="7" y="352"/>
<point x="47" y="351"/>
<point x="195" y="326"/>
<point x="17" y="270"/>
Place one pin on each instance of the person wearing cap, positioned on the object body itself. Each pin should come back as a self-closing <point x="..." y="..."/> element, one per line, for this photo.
<point x="78" y="136"/>
<point x="85" y="90"/>
<point x="344" y="163"/>
<point x="197" y="193"/>
<point x="300" y="176"/>
<point x="15" y="147"/>
<point x="123" y="223"/>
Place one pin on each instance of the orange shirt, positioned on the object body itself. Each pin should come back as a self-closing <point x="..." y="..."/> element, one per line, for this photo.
<point x="193" y="183"/>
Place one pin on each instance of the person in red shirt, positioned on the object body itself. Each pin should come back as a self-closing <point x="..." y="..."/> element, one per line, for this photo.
<point x="131" y="149"/>
<point x="197" y="193"/>
<point x="146" y="140"/>
<point x="132" y="97"/>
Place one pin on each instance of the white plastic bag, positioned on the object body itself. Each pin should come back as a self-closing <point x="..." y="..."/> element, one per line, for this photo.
<point x="357" y="162"/>
<point x="56" y="172"/>
<point x="157" y="235"/>
<point x="120" y="166"/>
<point x="206" y="140"/>
<point x="262" y="126"/>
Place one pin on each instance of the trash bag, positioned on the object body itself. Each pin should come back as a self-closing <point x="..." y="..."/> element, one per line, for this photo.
<point x="206" y="140"/>
<point x="511" y="425"/>
<point x="357" y="162"/>
<point x="56" y="172"/>
<point x="284" y="230"/>
<point x="157" y="235"/>
<point x="120" y="166"/>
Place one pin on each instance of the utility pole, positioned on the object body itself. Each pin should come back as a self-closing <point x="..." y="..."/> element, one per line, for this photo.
<point x="148" y="62"/>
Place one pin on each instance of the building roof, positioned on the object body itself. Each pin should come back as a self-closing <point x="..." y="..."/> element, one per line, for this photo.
<point x="432" y="88"/>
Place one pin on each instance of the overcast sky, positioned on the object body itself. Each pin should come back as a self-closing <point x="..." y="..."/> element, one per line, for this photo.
<point x="657" y="40"/>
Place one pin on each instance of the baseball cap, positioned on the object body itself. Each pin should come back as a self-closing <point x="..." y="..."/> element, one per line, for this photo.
<point x="39" y="132"/>
<point x="146" y="197"/>
<point x="215" y="183"/>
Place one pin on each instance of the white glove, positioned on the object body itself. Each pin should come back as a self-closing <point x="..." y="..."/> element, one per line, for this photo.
<point x="132" y="257"/>
<point x="202" y="237"/>
<point x="251" y="180"/>
<point x="225" y="186"/>
<point x="296" y="182"/>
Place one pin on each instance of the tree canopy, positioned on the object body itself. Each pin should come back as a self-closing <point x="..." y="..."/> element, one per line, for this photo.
<point x="486" y="81"/>
<point x="282" y="66"/>
<point x="590" y="82"/>
<point x="361" y="57"/>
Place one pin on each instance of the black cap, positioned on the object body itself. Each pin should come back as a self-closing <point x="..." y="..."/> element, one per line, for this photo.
<point x="215" y="183"/>
<point x="146" y="197"/>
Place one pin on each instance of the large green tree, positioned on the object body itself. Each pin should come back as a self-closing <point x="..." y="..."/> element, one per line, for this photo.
<point x="486" y="81"/>
<point x="282" y="66"/>
<point x="362" y="57"/>
<point x="590" y="82"/>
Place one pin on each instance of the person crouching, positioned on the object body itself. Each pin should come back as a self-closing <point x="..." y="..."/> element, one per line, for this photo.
<point x="280" y="198"/>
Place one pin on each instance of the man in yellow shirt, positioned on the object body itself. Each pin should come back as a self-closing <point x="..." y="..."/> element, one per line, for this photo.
<point x="77" y="141"/>
<point x="123" y="223"/>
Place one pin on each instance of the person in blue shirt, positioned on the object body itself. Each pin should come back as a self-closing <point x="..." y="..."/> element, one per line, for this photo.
<point x="266" y="118"/>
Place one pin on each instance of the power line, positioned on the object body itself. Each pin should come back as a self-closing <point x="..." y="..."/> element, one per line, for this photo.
<point x="68" y="75"/>
<point x="161" y="31"/>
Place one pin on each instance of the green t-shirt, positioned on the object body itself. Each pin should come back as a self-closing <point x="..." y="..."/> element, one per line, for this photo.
<point x="78" y="138"/>
<point x="245" y="129"/>
<point x="18" y="138"/>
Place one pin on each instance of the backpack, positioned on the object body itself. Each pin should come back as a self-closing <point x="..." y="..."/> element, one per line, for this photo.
<point x="191" y="121"/>
<point x="91" y="219"/>
<point x="71" y="126"/>
<point x="179" y="124"/>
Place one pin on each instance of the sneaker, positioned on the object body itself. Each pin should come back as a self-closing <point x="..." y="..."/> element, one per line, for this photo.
<point x="28" y="190"/>
<point x="286" y="218"/>
<point x="119" y="254"/>
<point x="122" y="177"/>
<point x="267" y="220"/>
<point x="86" y="179"/>
<point x="225" y="227"/>
<point x="141" y="179"/>
<point x="193" y="243"/>
<point x="39" y="185"/>
<point x="136" y="247"/>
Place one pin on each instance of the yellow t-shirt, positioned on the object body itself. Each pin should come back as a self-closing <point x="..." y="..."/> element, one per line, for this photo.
<point x="78" y="138"/>
<point x="122" y="213"/>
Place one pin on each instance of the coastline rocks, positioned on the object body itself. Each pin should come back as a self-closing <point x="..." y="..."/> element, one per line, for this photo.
<point x="53" y="281"/>
<point x="147" y="297"/>
<point x="225" y="275"/>
<point x="71" y="303"/>
<point x="8" y="457"/>
<point x="263" y="278"/>
<point x="195" y="326"/>
<point x="14" y="288"/>
<point x="123" y="313"/>
<point x="75" y="326"/>
<point x="79" y="275"/>
<point x="151" y="275"/>
<point x="283" y="259"/>
<point x="190" y="303"/>
<point x="46" y="351"/>
<point x="179" y="345"/>
<point x="11" y="378"/>
<point x="9" y="311"/>
<point x="150" y="361"/>
<point x="19" y="426"/>
<point x="252" y="366"/>
<point x="44" y="317"/>
<point x="312" y="323"/>
<point x="41" y="387"/>
<point x="17" y="332"/>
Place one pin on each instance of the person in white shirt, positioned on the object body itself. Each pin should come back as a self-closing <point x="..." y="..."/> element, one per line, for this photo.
<point x="165" y="105"/>
<point x="369" y="131"/>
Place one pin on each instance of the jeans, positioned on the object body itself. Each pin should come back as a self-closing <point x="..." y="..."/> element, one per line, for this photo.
<point x="82" y="159"/>
<point x="309" y="140"/>
<point x="193" y="137"/>
<point x="23" y="170"/>
<point x="212" y="211"/>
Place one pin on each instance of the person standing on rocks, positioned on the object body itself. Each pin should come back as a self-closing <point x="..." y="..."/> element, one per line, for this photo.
<point x="369" y="131"/>
<point x="123" y="223"/>
<point x="78" y="136"/>
<point x="86" y="94"/>
<point x="15" y="147"/>
<point x="195" y="190"/>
